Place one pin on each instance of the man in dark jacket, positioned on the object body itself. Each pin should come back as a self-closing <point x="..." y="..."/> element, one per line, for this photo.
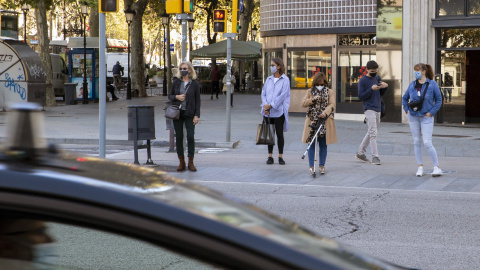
<point x="370" y="90"/>
<point x="117" y="72"/>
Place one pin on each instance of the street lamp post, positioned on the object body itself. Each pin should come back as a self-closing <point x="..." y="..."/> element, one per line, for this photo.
<point x="254" y="32"/>
<point x="84" y="8"/>
<point x="190" y="22"/>
<point x="129" y="18"/>
<point x="164" y="22"/>
<point x="25" y="9"/>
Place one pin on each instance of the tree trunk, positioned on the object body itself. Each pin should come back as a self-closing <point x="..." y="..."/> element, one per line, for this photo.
<point x="93" y="22"/>
<point x="137" y="65"/>
<point x="245" y="19"/>
<point x="43" y="43"/>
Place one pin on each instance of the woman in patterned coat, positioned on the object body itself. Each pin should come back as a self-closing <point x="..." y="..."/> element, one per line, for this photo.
<point x="320" y="101"/>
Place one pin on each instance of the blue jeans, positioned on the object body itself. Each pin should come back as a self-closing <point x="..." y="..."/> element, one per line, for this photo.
<point x="322" y="143"/>
<point x="422" y="128"/>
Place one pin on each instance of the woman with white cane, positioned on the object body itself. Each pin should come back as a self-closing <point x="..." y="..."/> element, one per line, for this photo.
<point x="320" y="102"/>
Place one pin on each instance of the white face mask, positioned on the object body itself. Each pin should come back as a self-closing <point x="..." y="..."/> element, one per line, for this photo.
<point x="320" y="87"/>
<point x="273" y="69"/>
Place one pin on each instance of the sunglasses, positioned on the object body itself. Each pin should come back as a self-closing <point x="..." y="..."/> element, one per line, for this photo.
<point x="184" y="69"/>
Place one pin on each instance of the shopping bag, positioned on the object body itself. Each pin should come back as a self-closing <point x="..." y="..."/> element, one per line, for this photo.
<point x="266" y="133"/>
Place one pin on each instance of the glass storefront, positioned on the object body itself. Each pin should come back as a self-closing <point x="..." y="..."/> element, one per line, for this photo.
<point x="458" y="7"/>
<point x="351" y="67"/>
<point x="303" y="64"/>
<point x="458" y="52"/>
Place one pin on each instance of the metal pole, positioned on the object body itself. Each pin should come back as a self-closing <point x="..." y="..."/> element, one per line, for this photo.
<point x="229" y="37"/>
<point x="129" y="86"/>
<point x="184" y="38"/>
<point x="164" y="62"/>
<point x="85" y="84"/>
<point x="25" y="26"/>
<point x="102" y="83"/>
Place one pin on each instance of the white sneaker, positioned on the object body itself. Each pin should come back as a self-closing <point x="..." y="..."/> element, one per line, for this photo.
<point x="420" y="171"/>
<point x="437" y="171"/>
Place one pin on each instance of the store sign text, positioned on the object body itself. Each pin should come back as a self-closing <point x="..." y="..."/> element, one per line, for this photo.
<point x="364" y="41"/>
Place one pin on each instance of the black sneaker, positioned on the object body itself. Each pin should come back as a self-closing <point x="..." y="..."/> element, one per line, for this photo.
<point x="270" y="160"/>
<point x="281" y="161"/>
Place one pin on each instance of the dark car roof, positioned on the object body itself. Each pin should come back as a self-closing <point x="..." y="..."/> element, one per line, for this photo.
<point x="159" y="196"/>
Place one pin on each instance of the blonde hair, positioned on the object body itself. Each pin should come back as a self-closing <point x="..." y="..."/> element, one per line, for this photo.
<point x="193" y="74"/>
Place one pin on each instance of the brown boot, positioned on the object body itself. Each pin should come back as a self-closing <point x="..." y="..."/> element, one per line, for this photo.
<point x="181" y="167"/>
<point x="191" y="167"/>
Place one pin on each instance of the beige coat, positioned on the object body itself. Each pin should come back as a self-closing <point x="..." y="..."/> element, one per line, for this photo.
<point x="330" y="123"/>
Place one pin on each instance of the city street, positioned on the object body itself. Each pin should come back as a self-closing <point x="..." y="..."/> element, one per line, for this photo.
<point x="420" y="222"/>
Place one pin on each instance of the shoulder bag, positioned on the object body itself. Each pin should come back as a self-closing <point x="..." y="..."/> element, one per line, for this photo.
<point x="173" y="111"/>
<point x="417" y="104"/>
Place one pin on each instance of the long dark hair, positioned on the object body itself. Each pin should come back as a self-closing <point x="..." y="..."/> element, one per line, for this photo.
<point x="427" y="68"/>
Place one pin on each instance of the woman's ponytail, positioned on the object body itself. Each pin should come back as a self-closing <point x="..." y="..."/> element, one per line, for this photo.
<point x="429" y="72"/>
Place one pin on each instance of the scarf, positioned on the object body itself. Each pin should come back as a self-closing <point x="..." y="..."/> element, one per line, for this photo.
<point x="315" y="110"/>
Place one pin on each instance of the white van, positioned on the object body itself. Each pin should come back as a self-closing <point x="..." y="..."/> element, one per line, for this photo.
<point x="111" y="59"/>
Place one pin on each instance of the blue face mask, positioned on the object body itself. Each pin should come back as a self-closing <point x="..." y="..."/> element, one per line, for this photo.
<point x="418" y="75"/>
<point x="273" y="69"/>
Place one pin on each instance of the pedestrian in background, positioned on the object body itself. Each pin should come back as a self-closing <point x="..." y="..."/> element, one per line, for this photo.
<point x="215" y="77"/>
<point x="233" y="81"/>
<point x="421" y="122"/>
<point x="320" y="102"/>
<point x="117" y="71"/>
<point x="275" y="104"/>
<point x="186" y="92"/>
<point x="370" y="90"/>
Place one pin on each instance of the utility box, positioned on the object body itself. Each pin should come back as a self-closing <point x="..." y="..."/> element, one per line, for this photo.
<point x="141" y="122"/>
<point x="22" y="74"/>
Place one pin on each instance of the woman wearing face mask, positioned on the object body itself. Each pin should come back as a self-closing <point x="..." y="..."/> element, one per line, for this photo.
<point x="421" y="122"/>
<point x="320" y="102"/>
<point x="186" y="92"/>
<point x="275" y="104"/>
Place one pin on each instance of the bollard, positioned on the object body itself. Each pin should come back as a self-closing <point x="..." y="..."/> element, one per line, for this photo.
<point x="141" y="126"/>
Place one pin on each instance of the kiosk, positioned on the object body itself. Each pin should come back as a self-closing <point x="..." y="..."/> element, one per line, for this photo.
<point x="75" y="67"/>
<point x="22" y="75"/>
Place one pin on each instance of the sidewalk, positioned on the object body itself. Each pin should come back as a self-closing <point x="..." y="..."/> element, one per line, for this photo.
<point x="240" y="160"/>
<point x="79" y="124"/>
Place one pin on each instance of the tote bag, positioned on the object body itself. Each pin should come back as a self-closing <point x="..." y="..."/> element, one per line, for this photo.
<point x="266" y="133"/>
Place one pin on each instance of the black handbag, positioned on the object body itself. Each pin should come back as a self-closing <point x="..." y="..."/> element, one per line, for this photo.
<point x="266" y="133"/>
<point x="173" y="112"/>
<point x="417" y="104"/>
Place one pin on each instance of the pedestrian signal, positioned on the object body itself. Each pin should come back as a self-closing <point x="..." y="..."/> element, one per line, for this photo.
<point x="219" y="20"/>
<point x="188" y="6"/>
<point x="107" y="6"/>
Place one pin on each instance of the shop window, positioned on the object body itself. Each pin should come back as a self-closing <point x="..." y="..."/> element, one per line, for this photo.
<point x="473" y="7"/>
<point x="303" y="65"/>
<point x="351" y="68"/>
<point x="459" y="38"/>
<point x="268" y="56"/>
<point x="451" y="7"/>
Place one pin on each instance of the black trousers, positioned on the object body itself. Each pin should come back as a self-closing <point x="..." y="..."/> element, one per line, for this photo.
<point x="190" y="128"/>
<point x="278" y="122"/>
<point x="215" y="87"/>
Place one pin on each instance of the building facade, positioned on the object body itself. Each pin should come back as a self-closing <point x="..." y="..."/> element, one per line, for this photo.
<point x="338" y="37"/>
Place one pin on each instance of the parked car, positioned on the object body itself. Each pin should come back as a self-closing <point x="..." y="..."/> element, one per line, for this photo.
<point x="60" y="210"/>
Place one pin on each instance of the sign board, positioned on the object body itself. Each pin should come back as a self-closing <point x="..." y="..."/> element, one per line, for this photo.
<point x="172" y="47"/>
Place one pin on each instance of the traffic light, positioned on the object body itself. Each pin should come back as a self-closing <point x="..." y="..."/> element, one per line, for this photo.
<point x="219" y="20"/>
<point x="107" y="6"/>
<point x="173" y="6"/>
<point x="188" y="6"/>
